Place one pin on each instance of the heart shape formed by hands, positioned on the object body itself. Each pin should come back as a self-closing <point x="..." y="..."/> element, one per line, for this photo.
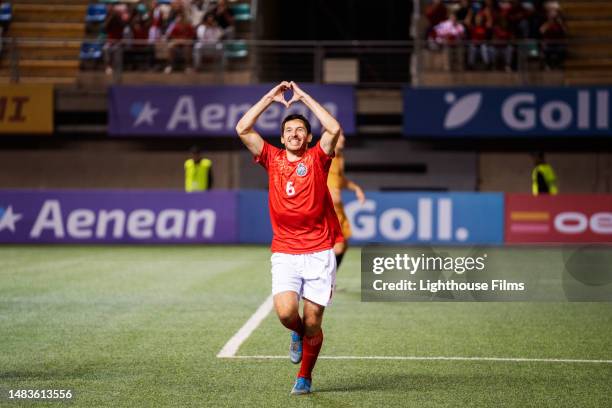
<point x="279" y="95"/>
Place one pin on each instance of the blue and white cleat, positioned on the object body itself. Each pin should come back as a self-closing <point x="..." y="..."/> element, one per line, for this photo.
<point x="295" y="348"/>
<point x="301" y="386"/>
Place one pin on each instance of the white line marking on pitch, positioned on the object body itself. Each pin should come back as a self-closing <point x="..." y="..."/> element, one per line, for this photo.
<point x="442" y="358"/>
<point x="232" y="345"/>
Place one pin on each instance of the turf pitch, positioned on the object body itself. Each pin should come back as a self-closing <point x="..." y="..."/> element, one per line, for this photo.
<point x="141" y="326"/>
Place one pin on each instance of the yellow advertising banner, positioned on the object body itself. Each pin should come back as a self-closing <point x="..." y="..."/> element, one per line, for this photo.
<point x="26" y="109"/>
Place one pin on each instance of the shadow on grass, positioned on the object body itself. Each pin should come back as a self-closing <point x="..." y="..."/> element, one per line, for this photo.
<point x="419" y="382"/>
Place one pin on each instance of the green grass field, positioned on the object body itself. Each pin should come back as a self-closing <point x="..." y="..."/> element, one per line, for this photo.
<point x="141" y="326"/>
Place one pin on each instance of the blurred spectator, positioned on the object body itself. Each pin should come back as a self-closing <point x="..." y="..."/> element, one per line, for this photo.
<point x="503" y="37"/>
<point x="138" y="51"/>
<point x="208" y="34"/>
<point x="535" y="16"/>
<point x="160" y="22"/>
<point x="180" y="36"/>
<point x="198" y="172"/>
<point x="197" y="12"/>
<point x="489" y="13"/>
<point x="553" y="33"/>
<point x="479" y="42"/>
<point x="114" y="26"/>
<point x="436" y="13"/>
<point x="181" y="7"/>
<point x="465" y="14"/>
<point x="517" y="17"/>
<point x="225" y="18"/>
<point x="543" y="178"/>
<point x="450" y="33"/>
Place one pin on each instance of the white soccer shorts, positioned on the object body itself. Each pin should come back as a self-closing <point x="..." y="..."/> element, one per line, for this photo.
<point x="311" y="276"/>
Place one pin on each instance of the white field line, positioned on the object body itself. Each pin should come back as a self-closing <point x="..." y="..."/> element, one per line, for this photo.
<point x="232" y="345"/>
<point x="230" y="348"/>
<point x="441" y="358"/>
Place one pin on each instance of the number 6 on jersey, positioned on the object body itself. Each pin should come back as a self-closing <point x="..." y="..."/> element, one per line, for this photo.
<point x="290" y="190"/>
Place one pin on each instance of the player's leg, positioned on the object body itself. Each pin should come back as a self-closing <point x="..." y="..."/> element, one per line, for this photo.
<point x="340" y="248"/>
<point x="287" y="288"/>
<point x="319" y="281"/>
<point x="312" y="342"/>
<point x="286" y="305"/>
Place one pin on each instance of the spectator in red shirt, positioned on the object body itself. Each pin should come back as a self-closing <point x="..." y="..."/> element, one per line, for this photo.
<point x="489" y="12"/>
<point x="553" y="33"/>
<point x="517" y="18"/>
<point x="180" y="36"/>
<point x="479" y="42"/>
<point x="114" y="26"/>
<point x="502" y="42"/>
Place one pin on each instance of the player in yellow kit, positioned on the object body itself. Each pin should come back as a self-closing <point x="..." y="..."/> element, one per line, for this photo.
<point x="336" y="182"/>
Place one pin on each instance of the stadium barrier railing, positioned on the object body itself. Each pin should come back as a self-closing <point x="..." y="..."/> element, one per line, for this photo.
<point x="377" y="63"/>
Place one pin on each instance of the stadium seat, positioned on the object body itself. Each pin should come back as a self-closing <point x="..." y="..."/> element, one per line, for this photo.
<point x="241" y="11"/>
<point x="235" y="49"/>
<point x="96" y="13"/>
<point x="91" y="51"/>
<point x="6" y="12"/>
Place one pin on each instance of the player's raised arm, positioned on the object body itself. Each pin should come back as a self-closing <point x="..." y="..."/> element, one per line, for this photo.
<point x="246" y="125"/>
<point x="330" y="125"/>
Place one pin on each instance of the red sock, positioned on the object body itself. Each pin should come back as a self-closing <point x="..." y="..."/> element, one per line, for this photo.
<point x="297" y="326"/>
<point x="311" y="348"/>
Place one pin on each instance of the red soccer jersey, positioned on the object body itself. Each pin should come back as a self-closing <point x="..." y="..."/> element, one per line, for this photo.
<point x="301" y="208"/>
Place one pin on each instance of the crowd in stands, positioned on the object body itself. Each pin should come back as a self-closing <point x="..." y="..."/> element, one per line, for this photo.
<point x="181" y="32"/>
<point x="487" y="33"/>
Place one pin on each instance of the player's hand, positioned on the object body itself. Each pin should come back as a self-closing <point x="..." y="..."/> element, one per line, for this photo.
<point x="278" y="93"/>
<point x="298" y="93"/>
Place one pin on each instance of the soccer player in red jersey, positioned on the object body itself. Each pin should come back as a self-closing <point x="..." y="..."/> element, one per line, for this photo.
<point x="304" y="223"/>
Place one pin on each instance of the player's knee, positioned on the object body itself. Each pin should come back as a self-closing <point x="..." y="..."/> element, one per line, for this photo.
<point x="312" y="325"/>
<point x="286" y="317"/>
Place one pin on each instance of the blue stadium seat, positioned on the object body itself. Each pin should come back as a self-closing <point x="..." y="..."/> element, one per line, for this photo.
<point x="91" y="51"/>
<point x="96" y="13"/>
<point x="241" y="11"/>
<point x="6" y="12"/>
<point x="236" y="49"/>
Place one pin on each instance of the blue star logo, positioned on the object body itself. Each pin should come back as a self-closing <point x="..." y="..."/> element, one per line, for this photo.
<point x="8" y="218"/>
<point x="144" y="113"/>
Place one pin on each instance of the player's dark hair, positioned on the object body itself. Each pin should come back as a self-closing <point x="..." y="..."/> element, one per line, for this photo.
<point x="294" y="117"/>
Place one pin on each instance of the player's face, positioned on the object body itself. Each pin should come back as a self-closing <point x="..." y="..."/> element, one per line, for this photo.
<point x="295" y="136"/>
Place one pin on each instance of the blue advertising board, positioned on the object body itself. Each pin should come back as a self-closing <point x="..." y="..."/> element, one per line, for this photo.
<point x="254" y="214"/>
<point x="507" y="112"/>
<point x="107" y="216"/>
<point x="436" y="218"/>
<point x="110" y="217"/>
<point x="215" y="110"/>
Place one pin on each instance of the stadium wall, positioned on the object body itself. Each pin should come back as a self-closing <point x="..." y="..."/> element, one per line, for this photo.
<point x="576" y="172"/>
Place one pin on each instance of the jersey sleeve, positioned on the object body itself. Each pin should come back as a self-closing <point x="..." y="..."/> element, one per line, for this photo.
<point x="266" y="155"/>
<point x="323" y="158"/>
